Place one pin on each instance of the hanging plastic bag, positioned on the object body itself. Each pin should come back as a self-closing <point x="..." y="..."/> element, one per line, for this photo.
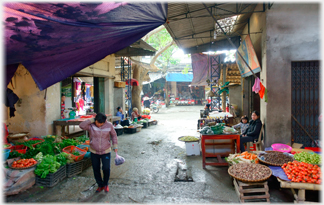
<point x="119" y="160"/>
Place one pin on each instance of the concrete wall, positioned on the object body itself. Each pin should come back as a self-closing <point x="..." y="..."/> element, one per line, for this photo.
<point x="119" y="99"/>
<point x="293" y="33"/>
<point x="109" y="96"/>
<point x="35" y="114"/>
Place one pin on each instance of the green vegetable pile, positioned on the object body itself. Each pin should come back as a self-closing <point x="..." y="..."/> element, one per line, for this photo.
<point x="68" y="142"/>
<point x="189" y="138"/>
<point x="30" y="153"/>
<point x="14" y="154"/>
<point x="29" y="143"/>
<point x="82" y="139"/>
<point x="48" y="165"/>
<point x="311" y="158"/>
<point x="75" y="153"/>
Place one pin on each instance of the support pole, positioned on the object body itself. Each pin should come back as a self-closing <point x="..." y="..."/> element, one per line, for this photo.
<point x="224" y="93"/>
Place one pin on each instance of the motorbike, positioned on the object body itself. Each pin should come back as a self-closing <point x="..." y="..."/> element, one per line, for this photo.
<point x="154" y="106"/>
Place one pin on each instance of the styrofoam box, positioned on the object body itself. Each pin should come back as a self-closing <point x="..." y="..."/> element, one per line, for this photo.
<point x="192" y="148"/>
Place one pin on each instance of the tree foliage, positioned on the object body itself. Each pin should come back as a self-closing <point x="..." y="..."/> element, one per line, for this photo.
<point x="160" y="40"/>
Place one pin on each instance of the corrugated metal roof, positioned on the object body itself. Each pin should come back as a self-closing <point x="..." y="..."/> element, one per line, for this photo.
<point x="191" y="25"/>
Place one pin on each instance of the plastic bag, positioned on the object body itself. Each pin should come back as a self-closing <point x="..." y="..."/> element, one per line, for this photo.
<point x="119" y="160"/>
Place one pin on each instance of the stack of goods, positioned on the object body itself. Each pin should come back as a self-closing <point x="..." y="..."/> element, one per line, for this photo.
<point x="244" y="157"/>
<point x="302" y="172"/>
<point x="248" y="172"/>
<point x="275" y="158"/>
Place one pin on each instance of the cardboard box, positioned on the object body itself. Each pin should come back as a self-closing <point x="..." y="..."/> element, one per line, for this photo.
<point x="120" y="84"/>
<point x="192" y="148"/>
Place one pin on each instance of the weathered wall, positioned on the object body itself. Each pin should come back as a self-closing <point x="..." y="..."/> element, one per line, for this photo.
<point x="102" y="68"/>
<point x="30" y="114"/>
<point x="293" y="32"/>
<point x="53" y="106"/>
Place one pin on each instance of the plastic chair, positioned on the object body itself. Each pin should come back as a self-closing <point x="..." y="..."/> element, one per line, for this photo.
<point x="259" y="143"/>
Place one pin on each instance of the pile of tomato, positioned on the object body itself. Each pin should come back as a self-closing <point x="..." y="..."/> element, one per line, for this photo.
<point x="302" y="172"/>
<point x="23" y="163"/>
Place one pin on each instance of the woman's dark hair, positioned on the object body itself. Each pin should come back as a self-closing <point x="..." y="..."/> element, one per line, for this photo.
<point x="244" y="117"/>
<point x="208" y="105"/>
<point x="118" y="108"/>
<point x="62" y="95"/>
<point x="100" y="117"/>
<point x="256" y="112"/>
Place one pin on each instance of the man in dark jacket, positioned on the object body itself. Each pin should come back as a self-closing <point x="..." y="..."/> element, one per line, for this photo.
<point x="252" y="133"/>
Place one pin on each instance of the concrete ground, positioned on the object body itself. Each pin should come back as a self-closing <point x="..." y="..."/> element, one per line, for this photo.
<point x="147" y="176"/>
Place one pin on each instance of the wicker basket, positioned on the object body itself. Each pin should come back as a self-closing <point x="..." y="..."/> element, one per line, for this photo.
<point x="269" y="163"/>
<point x="249" y="181"/>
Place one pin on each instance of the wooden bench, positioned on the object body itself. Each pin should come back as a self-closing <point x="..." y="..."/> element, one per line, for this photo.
<point x="252" y="192"/>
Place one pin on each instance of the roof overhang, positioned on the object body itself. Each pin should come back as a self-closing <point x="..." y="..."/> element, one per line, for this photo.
<point x="191" y="25"/>
<point x="139" y="48"/>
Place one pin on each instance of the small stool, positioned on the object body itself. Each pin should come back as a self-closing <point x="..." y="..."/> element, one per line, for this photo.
<point x="252" y="192"/>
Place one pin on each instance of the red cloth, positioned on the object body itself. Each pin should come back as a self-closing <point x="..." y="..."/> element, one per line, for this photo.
<point x="81" y="102"/>
<point x="227" y="109"/>
<point x="262" y="90"/>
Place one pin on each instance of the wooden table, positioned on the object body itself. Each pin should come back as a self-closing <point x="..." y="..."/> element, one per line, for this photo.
<point x="218" y="155"/>
<point x="67" y="122"/>
<point x="300" y="198"/>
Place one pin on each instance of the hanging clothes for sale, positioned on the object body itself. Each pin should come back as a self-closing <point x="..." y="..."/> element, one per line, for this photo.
<point x="88" y="93"/>
<point x="81" y="103"/>
<point x="75" y="89"/>
<point x="83" y="90"/>
<point x="262" y="90"/>
<point x="11" y="100"/>
<point x="256" y="87"/>
<point x="91" y="92"/>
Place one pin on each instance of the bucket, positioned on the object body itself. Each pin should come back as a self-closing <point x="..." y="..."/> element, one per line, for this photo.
<point x="67" y="113"/>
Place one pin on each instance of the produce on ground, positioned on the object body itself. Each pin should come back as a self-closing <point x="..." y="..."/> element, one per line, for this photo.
<point x="244" y="157"/>
<point x="311" y="158"/>
<point x="23" y="163"/>
<point x="276" y="158"/>
<point x="302" y="172"/>
<point x="48" y="165"/>
<point x="188" y="138"/>
<point x="62" y="158"/>
<point x="249" y="171"/>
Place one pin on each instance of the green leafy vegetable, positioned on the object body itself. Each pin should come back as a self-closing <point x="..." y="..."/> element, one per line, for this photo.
<point x="14" y="154"/>
<point x="48" y="165"/>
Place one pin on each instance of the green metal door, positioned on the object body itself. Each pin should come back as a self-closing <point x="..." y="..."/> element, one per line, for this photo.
<point x="99" y="94"/>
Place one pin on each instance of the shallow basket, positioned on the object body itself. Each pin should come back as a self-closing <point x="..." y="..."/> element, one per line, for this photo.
<point x="279" y="147"/>
<point x="87" y="155"/>
<point x="20" y="168"/>
<point x="249" y="181"/>
<point x="268" y="163"/>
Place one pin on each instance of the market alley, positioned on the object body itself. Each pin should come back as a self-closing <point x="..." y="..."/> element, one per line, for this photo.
<point x="148" y="174"/>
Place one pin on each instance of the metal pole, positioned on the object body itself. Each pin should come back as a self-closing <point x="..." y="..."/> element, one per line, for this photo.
<point x="229" y="40"/>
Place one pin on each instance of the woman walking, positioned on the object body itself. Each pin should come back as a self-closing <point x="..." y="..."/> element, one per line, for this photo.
<point x="101" y="133"/>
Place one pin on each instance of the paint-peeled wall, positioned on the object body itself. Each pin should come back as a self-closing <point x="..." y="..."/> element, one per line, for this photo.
<point x="30" y="111"/>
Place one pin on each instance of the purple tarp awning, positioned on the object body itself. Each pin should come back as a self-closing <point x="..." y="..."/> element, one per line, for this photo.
<point x="56" y="40"/>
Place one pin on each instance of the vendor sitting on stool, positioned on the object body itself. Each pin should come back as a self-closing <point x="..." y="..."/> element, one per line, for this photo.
<point x="135" y="114"/>
<point x="207" y="110"/>
<point x="252" y="133"/>
<point x="120" y="114"/>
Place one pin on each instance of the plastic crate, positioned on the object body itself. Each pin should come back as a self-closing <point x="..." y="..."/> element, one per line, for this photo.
<point x="71" y="149"/>
<point x="19" y="148"/>
<point x="145" y="124"/>
<point x="86" y="163"/>
<point x="53" y="178"/>
<point x="130" y="130"/>
<point x="119" y="131"/>
<point x="315" y="149"/>
<point x="73" y="168"/>
<point x="150" y="123"/>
